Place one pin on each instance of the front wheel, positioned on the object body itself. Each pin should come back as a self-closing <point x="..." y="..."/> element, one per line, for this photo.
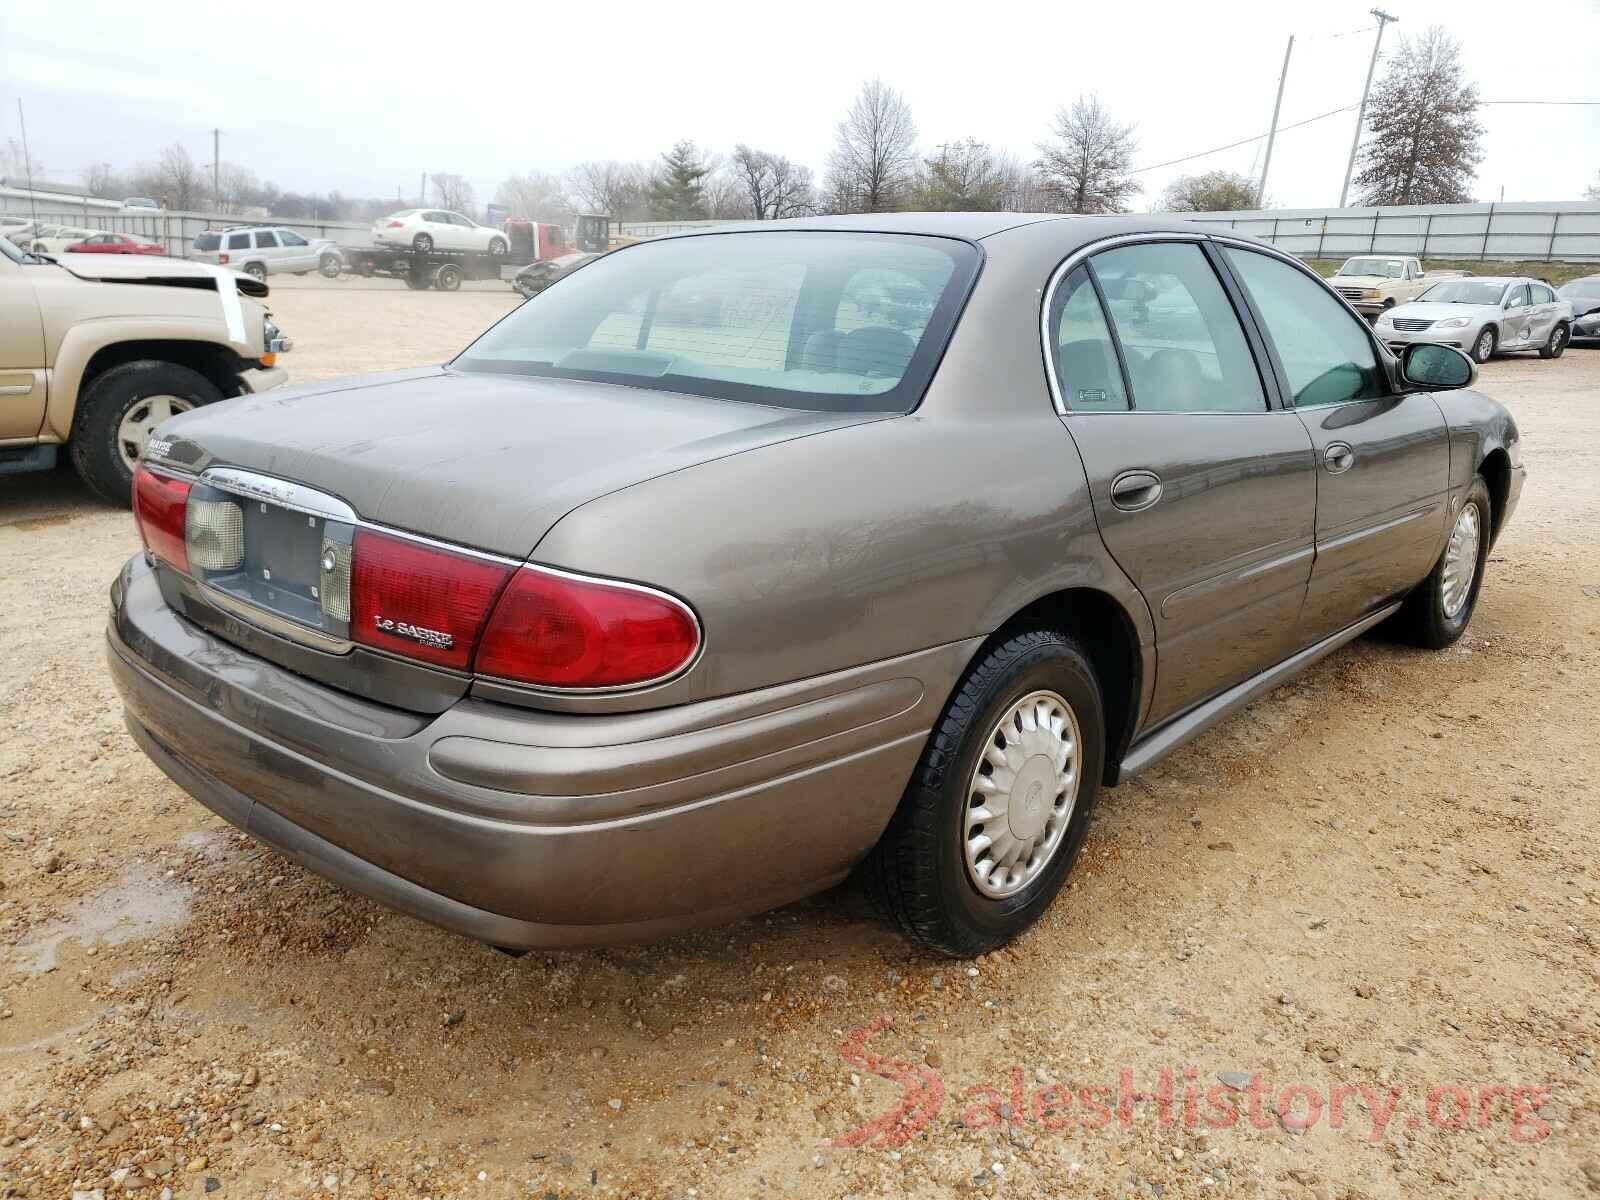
<point x="999" y="804"/>
<point x="328" y="266"/>
<point x="422" y="243"/>
<point x="1483" y="348"/>
<point x="119" y="411"/>
<point x="1557" y="343"/>
<point x="256" y="271"/>
<point x="1436" y="613"/>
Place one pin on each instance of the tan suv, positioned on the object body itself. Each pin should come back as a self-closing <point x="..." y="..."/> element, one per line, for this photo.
<point x="95" y="351"/>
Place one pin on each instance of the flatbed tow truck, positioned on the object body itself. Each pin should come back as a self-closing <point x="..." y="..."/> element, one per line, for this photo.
<point x="447" y="270"/>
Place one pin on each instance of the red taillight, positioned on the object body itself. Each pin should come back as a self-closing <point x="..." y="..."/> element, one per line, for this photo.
<point x="397" y="224"/>
<point x="557" y="631"/>
<point x="159" y="507"/>
<point x="420" y="601"/>
<point x="223" y="259"/>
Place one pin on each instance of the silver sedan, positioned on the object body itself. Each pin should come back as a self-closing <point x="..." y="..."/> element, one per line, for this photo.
<point x="1483" y="316"/>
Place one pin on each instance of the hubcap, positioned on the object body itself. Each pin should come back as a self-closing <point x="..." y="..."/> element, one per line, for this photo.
<point x="1461" y="561"/>
<point x="133" y="431"/>
<point x="1021" y="795"/>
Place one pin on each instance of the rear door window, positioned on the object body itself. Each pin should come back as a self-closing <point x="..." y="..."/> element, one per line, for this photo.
<point x="1181" y="341"/>
<point x="1087" y="374"/>
<point x="1323" y="348"/>
<point x="238" y="241"/>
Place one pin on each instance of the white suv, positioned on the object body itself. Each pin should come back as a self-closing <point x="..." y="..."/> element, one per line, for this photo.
<point x="262" y="250"/>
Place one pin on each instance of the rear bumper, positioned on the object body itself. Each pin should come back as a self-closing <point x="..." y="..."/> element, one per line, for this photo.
<point x="525" y="828"/>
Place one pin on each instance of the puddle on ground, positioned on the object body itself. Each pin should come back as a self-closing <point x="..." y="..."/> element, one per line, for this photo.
<point x="142" y="905"/>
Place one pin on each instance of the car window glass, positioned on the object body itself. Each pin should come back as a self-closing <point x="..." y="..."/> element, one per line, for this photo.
<point x="1542" y="294"/>
<point x="238" y="241"/>
<point x="1325" y="351"/>
<point x="436" y="218"/>
<point x="1517" y="297"/>
<point x="290" y="238"/>
<point x="1087" y="374"/>
<point x="1182" y="343"/>
<point x="840" y="322"/>
<point x="266" y="241"/>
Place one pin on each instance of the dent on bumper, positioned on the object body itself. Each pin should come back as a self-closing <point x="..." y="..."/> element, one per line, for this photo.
<point x="525" y="828"/>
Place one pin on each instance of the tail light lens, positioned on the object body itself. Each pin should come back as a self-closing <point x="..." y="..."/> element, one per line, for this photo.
<point x="420" y="601"/>
<point x="222" y="259"/>
<point x="558" y="631"/>
<point x="397" y="224"/>
<point x="160" y="509"/>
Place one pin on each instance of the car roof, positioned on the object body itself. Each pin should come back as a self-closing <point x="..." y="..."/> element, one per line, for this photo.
<point x="970" y="225"/>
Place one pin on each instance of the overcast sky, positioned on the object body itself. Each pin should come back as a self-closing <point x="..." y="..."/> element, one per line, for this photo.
<point x="365" y="98"/>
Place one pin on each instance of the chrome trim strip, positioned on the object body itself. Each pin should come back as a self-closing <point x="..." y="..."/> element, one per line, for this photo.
<point x="296" y="497"/>
<point x="271" y="622"/>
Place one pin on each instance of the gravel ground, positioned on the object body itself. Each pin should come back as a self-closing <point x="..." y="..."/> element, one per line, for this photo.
<point x="1377" y="881"/>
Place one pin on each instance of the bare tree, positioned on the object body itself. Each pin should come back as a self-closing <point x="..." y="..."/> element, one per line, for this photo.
<point x="105" y="181"/>
<point x="236" y="189"/>
<point x="609" y="187"/>
<point x="873" y="164"/>
<point x="453" y="193"/>
<point x="174" y="179"/>
<point x="1593" y="191"/>
<point x="771" y="185"/>
<point x="1425" y="140"/>
<point x="1087" y="164"/>
<point x="537" y="195"/>
<point x="15" y="163"/>
<point x="1210" y="191"/>
<point x="1022" y="187"/>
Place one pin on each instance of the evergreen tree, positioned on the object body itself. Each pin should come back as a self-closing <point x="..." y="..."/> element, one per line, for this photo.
<point x="678" y="191"/>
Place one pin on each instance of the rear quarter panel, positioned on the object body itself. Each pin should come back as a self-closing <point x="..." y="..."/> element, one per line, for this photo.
<point x="853" y="546"/>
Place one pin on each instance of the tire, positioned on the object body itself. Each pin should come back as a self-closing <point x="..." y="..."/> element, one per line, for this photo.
<point x="919" y="872"/>
<point x="1426" y="618"/>
<point x="447" y="278"/>
<point x="1556" y="346"/>
<point x="256" y="271"/>
<point x="497" y="247"/>
<point x="1483" y="349"/>
<point x="328" y="266"/>
<point x="96" y="447"/>
<point x="417" y="283"/>
<point x="422" y="243"/>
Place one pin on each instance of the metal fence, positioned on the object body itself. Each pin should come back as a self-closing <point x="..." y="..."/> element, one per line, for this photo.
<point x="1567" y="232"/>
<point x="175" y="231"/>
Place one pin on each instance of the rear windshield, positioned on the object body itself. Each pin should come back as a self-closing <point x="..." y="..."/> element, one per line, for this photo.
<point x="207" y="241"/>
<point x="845" y="322"/>
<point x="1464" y="291"/>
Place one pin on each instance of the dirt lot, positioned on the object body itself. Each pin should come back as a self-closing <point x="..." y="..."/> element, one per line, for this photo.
<point x="1381" y="877"/>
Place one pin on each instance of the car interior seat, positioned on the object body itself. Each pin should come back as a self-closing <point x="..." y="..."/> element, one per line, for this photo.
<point x="876" y="350"/>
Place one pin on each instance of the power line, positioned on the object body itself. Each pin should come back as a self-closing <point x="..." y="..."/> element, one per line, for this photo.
<point x="1241" y="142"/>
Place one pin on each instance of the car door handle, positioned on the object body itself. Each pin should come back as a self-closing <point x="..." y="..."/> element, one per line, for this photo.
<point x="1134" y="491"/>
<point x="1338" y="458"/>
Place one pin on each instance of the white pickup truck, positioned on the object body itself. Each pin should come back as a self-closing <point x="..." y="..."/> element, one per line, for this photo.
<point x="1374" y="282"/>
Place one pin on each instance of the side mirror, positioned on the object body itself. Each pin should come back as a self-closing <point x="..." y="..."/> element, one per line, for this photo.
<point x="1426" y="367"/>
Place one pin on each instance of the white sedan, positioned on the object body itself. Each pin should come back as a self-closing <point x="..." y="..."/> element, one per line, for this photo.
<point x="54" y="239"/>
<point x="426" y="229"/>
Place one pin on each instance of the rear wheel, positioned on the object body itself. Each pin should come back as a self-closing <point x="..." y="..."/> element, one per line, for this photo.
<point x="1557" y="343"/>
<point x="447" y="278"/>
<point x="328" y="266"/>
<point x="417" y="283"/>
<point x="497" y="246"/>
<point x="119" y="411"/>
<point x="999" y="803"/>
<point x="1483" y="348"/>
<point x="422" y="243"/>
<point x="1436" y="613"/>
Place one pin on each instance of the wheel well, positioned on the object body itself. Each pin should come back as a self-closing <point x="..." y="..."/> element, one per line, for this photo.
<point x="1108" y="637"/>
<point x="1496" y="472"/>
<point x="217" y="363"/>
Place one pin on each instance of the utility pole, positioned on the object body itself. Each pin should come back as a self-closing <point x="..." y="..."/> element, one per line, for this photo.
<point x="1361" y="114"/>
<point x="216" y="168"/>
<point x="1272" y="135"/>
